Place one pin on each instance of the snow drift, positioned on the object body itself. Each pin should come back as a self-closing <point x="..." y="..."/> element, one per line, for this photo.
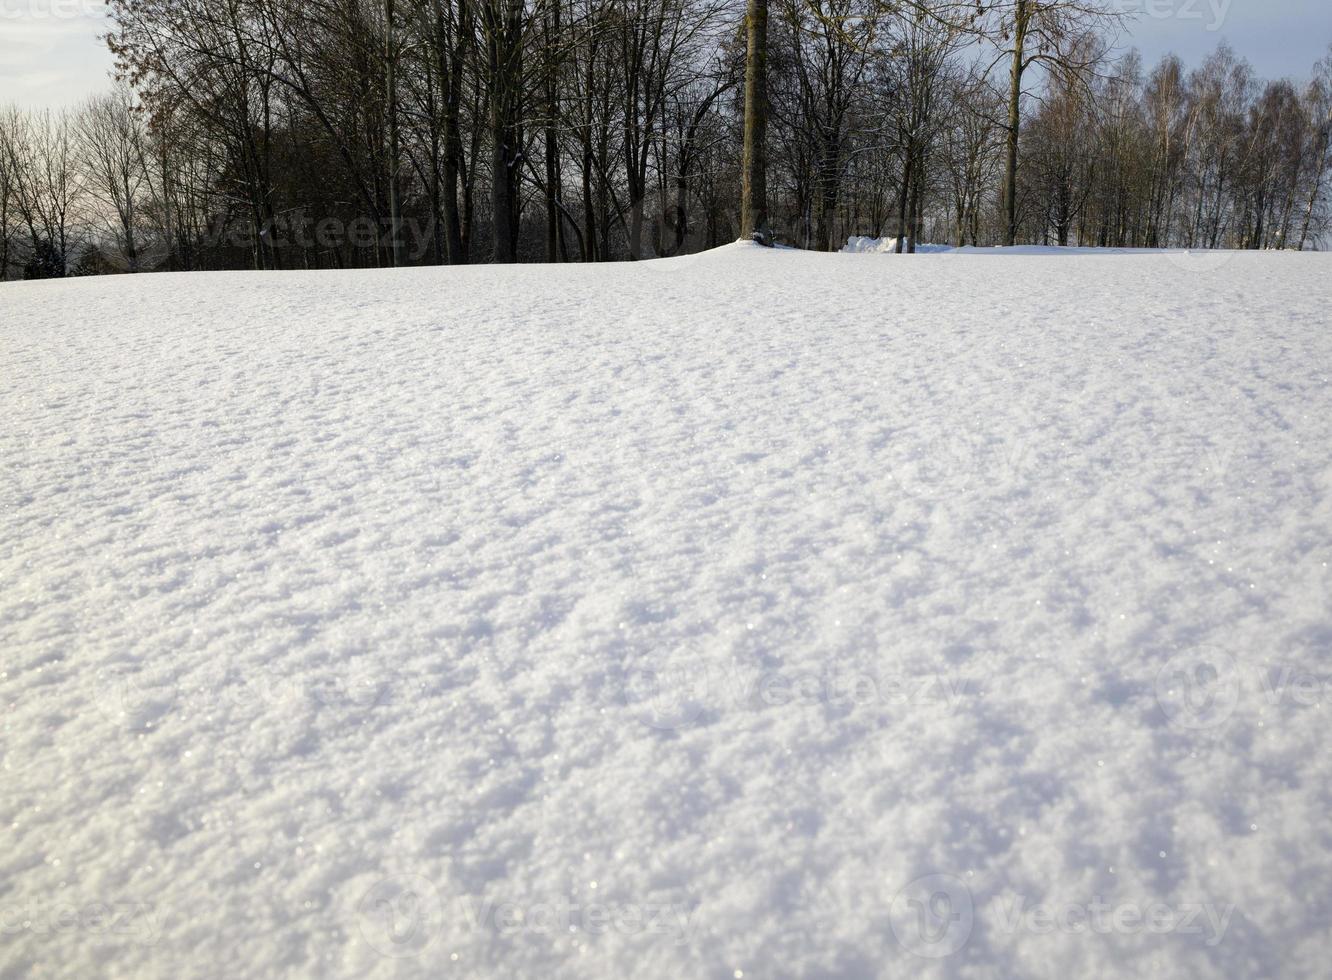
<point x="860" y="244"/>
<point x="758" y="613"/>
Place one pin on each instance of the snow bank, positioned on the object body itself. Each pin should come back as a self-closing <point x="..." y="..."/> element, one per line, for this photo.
<point x="754" y="612"/>
<point x="859" y="244"/>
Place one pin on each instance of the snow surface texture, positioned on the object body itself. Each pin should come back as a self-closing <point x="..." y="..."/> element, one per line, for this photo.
<point x="758" y="613"/>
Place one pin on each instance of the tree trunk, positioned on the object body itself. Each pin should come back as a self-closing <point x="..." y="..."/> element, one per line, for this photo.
<point x="1020" y="22"/>
<point x="450" y="54"/>
<point x="754" y="186"/>
<point x="503" y="197"/>
<point x="506" y="79"/>
<point x="828" y="193"/>
<point x="1317" y="186"/>
<point x="589" y="207"/>
<point x="636" y="229"/>
<point x="553" y="221"/>
<point x="681" y="215"/>
<point x="903" y="199"/>
<point x="917" y="206"/>
<point x="394" y="147"/>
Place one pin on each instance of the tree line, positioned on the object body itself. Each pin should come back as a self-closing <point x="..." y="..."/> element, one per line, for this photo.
<point x="274" y="134"/>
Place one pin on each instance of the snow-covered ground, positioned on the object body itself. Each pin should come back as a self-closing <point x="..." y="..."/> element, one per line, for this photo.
<point x="759" y="613"/>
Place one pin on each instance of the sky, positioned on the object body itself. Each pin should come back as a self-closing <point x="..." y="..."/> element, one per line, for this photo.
<point x="1281" y="38"/>
<point x="50" y="55"/>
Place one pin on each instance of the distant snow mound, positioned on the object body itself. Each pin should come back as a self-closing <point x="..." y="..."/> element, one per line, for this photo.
<point x="864" y="245"/>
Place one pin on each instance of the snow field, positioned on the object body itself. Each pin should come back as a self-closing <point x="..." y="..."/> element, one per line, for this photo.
<point x="957" y="615"/>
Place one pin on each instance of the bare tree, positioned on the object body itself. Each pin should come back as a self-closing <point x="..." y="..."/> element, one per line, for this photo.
<point x="1318" y="109"/>
<point x="45" y="182"/>
<point x="265" y="123"/>
<point x="113" y="150"/>
<point x="1051" y="34"/>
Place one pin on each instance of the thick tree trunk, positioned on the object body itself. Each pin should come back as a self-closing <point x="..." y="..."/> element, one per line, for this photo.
<point x="553" y="221"/>
<point x="1020" y="22"/>
<point x="917" y="206"/>
<point x="754" y="186"/>
<point x="503" y="28"/>
<point x="453" y="237"/>
<point x="681" y="215"/>
<point x="636" y="229"/>
<point x="504" y="196"/>
<point x="829" y="192"/>
<point x="506" y="139"/>
<point x="394" y="147"/>
<point x="131" y="247"/>
<point x="552" y="197"/>
<point x="589" y="209"/>
<point x="450" y="54"/>
<point x="903" y="199"/>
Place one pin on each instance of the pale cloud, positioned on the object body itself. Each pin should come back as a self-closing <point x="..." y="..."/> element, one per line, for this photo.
<point x="51" y="54"/>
